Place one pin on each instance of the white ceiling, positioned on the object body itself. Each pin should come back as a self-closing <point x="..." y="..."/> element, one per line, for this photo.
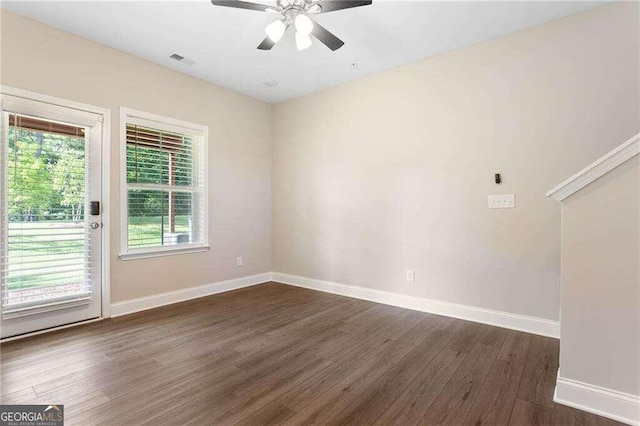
<point x="222" y="41"/>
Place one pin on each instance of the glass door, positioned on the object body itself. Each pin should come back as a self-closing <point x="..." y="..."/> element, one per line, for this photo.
<point x="50" y="262"/>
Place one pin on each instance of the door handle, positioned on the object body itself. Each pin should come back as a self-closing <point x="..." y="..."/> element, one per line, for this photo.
<point x="94" y="225"/>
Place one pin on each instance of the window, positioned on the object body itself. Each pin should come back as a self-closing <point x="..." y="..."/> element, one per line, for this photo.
<point x="164" y="181"/>
<point x="46" y="243"/>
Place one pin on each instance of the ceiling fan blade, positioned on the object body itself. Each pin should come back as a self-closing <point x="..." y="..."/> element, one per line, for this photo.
<point x="326" y="37"/>
<point x="332" y="5"/>
<point x="241" y="5"/>
<point x="266" y="44"/>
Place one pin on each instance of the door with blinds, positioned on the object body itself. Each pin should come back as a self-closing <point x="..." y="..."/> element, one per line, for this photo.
<point x="50" y="220"/>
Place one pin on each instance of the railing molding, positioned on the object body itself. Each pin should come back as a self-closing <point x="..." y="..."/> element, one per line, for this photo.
<point x="598" y="168"/>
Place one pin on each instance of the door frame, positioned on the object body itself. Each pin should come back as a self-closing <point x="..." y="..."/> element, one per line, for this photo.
<point x="105" y="186"/>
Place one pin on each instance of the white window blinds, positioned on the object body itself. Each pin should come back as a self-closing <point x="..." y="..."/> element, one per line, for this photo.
<point x="165" y="186"/>
<point x="45" y="256"/>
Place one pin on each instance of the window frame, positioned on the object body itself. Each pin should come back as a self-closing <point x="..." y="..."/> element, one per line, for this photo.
<point x="127" y="116"/>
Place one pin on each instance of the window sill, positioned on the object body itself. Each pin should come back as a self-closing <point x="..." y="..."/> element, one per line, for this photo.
<point x="161" y="253"/>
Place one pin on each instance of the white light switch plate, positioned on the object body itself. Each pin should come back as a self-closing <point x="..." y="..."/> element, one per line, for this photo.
<point x="503" y="201"/>
<point x="411" y="275"/>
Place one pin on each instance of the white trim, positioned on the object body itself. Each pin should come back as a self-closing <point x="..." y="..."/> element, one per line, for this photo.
<point x="106" y="214"/>
<point x="124" y="220"/>
<point x="162" y="299"/>
<point x="48" y="307"/>
<point x="155" y="252"/>
<point x="128" y="115"/>
<point x="604" y="402"/>
<point x="52" y="100"/>
<point x="541" y="326"/>
<point x="524" y="323"/>
<point x="49" y="330"/>
<point x="147" y="119"/>
<point x="598" y="168"/>
<point x="4" y="188"/>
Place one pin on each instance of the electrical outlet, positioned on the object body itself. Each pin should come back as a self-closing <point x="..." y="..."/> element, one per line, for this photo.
<point x="504" y="201"/>
<point x="239" y="261"/>
<point x="411" y="275"/>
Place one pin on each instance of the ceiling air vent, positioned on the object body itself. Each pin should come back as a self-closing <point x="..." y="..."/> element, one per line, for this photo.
<point x="182" y="59"/>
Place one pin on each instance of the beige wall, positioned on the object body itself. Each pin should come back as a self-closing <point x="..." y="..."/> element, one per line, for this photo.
<point x="382" y="174"/>
<point x="392" y="172"/>
<point x="600" y="336"/>
<point x="42" y="59"/>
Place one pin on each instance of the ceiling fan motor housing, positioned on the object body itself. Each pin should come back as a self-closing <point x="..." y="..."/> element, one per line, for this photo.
<point x="292" y="8"/>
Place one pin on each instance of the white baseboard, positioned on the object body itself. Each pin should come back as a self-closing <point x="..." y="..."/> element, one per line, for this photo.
<point x="525" y="323"/>
<point x="162" y="299"/>
<point x="604" y="402"/>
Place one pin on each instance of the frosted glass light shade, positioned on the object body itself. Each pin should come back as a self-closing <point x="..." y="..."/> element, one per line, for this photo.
<point x="304" y="25"/>
<point x="302" y="41"/>
<point x="275" y="30"/>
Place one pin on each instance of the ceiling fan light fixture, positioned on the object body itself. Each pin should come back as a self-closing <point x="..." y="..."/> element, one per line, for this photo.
<point x="303" y="24"/>
<point x="302" y="41"/>
<point x="294" y="12"/>
<point x="275" y="30"/>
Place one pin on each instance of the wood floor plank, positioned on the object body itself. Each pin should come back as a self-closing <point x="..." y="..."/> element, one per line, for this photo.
<point x="494" y="404"/>
<point x="539" y="377"/>
<point x="328" y="404"/>
<point x="410" y="338"/>
<point x="467" y="337"/>
<point x="454" y="402"/>
<point x="451" y="325"/>
<point x="425" y="422"/>
<point x="273" y="413"/>
<point x="80" y="402"/>
<point x="301" y="395"/>
<point x="515" y="347"/>
<point x="369" y="405"/>
<point x="273" y="353"/>
<point x="265" y="375"/>
<point x="567" y="416"/>
<point x="414" y="402"/>
<point x="21" y="396"/>
<point x="527" y="413"/>
<point x="114" y="374"/>
<point x="493" y="336"/>
<point x="248" y="403"/>
<point x="13" y="379"/>
<point x="243" y="405"/>
<point x="284" y="349"/>
<point x="376" y="337"/>
<point x="134" y="401"/>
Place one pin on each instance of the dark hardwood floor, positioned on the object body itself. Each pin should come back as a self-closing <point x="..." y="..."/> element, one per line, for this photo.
<point x="275" y="354"/>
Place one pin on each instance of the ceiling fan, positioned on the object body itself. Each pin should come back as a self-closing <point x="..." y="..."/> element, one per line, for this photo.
<point x="295" y="12"/>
